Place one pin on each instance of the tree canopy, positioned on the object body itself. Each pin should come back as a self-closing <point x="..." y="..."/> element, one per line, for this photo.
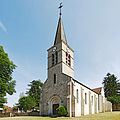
<point x="114" y="99"/>
<point x="35" y="90"/>
<point x="7" y="85"/>
<point x="110" y="85"/>
<point x="32" y="100"/>
<point x="112" y="88"/>
<point x="26" y="103"/>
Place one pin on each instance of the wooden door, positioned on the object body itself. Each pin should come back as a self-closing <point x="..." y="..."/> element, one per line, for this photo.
<point x="55" y="106"/>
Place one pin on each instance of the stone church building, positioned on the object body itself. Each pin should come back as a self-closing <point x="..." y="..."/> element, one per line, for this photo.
<point x="61" y="88"/>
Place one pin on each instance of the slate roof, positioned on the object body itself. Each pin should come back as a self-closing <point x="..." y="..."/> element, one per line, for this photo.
<point x="60" y="34"/>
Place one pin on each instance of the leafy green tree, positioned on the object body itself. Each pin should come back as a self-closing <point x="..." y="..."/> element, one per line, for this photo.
<point x="35" y="91"/>
<point x="26" y="103"/>
<point x="7" y="85"/>
<point x="114" y="99"/>
<point x="111" y="85"/>
<point x="112" y="88"/>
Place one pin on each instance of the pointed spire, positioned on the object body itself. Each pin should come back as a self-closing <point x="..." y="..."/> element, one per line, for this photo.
<point x="60" y="34"/>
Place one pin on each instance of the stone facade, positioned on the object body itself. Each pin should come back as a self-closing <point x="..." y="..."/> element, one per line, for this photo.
<point x="54" y="94"/>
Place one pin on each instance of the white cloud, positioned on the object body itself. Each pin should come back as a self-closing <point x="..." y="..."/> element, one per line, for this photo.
<point x="3" y="27"/>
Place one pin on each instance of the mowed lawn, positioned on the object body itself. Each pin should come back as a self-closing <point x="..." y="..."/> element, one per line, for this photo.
<point x="100" y="116"/>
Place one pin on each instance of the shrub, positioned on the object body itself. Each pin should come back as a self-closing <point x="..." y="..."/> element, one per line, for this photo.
<point x="61" y="111"/>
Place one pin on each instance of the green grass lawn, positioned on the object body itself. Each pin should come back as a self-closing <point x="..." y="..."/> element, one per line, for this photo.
<point x="100" y="116"/>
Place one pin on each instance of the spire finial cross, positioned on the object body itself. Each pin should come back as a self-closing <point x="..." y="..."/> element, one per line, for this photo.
<point x="60" y="7"/>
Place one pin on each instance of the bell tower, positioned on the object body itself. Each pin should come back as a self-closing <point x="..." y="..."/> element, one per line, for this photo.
<point x="60" y="72"/>
<point x="60" y="55"/>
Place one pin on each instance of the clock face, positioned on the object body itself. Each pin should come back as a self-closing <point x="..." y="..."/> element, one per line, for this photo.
<point x="54" y="49"/>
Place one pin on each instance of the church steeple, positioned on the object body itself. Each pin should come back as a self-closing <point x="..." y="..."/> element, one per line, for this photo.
<point x="60" y="34"/>
<point x="60" y="55"/>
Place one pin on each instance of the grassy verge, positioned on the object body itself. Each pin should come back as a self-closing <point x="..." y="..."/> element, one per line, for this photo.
<point x="100" y="116"/>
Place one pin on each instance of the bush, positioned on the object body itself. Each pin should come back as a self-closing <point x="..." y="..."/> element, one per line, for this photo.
<point x="61" y="111"/>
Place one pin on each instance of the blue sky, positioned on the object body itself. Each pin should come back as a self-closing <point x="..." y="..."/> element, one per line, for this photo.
<point x="92" y="27"/>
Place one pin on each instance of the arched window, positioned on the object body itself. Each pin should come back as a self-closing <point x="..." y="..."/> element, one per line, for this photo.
<point x="55" y="78"/>
<point x="77" y="95"/>
<point x="66" y="58"/>
<point x="85" y="98"/>
<point x="52" y="59"/>
<point x="56" y="57"/>
<point x="69" y="60"/>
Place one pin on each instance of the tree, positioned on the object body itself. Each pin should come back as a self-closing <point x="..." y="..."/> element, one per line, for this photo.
<point x="111" y="85"/>
<point x="112" y="88"/>
<point x="114" y="99"/>
<point x="35" y="91"/>
<point x="7" y="85"/>
<point x="26" y="103"/>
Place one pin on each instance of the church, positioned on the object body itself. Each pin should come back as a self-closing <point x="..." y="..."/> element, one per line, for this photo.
<point x="61" y="88"/>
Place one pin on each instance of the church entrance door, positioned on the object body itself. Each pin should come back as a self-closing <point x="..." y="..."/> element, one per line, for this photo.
<point x="55" y="106"/>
